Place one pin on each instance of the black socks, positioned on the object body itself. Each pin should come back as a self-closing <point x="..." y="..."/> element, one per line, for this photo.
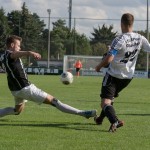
<point x="110" y="113"/>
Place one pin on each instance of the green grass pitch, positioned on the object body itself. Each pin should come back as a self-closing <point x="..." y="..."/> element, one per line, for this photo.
<point x="42" y="127"/>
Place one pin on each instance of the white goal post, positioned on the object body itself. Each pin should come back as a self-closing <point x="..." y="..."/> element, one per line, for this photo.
<point x="88" y="64"/>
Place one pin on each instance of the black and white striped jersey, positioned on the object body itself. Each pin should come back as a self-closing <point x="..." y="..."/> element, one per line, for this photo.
<point x="16" y="75"/>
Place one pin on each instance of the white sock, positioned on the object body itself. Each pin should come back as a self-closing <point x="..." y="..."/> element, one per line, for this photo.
<point x="66" y="108"/>
<point x="7" y="111"/>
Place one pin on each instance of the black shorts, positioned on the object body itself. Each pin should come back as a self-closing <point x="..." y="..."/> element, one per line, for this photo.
<point x="77" y="69"/>
<point x="111" y="86"/>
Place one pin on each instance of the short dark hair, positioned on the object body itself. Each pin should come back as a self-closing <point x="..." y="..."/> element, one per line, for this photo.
<point x="127" y="19"/>
<point x="11" y="39"/>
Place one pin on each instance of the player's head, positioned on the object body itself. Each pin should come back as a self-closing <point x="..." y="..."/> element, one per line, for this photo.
<point x="127" y="21"/>
<point x="13" y="42"/>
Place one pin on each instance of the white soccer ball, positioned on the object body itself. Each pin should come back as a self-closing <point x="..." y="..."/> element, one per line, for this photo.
<point x="66" y="78"/>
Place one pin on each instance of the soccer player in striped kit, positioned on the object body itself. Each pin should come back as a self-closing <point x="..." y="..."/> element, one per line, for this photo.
<point x="122" y="59"/>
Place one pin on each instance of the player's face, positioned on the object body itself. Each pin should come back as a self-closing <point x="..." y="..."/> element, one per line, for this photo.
<point x="16" y="45"/>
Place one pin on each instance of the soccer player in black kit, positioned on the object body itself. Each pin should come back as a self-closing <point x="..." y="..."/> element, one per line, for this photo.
<point x="22" y="89"/>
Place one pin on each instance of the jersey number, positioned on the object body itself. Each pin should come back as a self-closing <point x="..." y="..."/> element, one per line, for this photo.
<point x="129" y="56"/>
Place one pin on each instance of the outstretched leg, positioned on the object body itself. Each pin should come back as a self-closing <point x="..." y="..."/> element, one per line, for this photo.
<point x="68" y="109"/>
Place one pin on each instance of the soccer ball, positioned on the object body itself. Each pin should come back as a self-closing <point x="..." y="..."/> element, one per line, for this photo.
<point x="66" y="78"/>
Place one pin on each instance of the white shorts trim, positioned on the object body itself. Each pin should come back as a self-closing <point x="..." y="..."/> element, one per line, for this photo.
<point x="31" y="93"/>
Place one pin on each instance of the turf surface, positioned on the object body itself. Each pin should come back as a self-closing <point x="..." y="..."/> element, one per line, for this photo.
<point x="43" y="127"/>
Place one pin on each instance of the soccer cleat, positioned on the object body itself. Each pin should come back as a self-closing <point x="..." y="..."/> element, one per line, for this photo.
<point x="120" y="124"/>
<point x="89" y="113"/>
<point x="98" y="120"/>
<point x="116" y="125"/>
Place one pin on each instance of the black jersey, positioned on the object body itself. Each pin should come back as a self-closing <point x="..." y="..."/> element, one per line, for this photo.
<point x="16" y="75"/>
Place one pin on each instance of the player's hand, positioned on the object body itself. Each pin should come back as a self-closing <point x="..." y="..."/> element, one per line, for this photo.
<point x="35" y="55"/>
<point x="97" y="68"/>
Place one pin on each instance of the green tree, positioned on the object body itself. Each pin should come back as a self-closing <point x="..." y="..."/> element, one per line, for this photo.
<point x="14" y="22"/>
<point x="98" y="49"/>
<point x="103" y="34"/>
<point x="81" y="45"/>
<point x="4" y="29"/>
<point x="59" y="35"/>
<point x="66" y="41"/>
<point x="102" y="38"/>
<point x="30" y="28"/>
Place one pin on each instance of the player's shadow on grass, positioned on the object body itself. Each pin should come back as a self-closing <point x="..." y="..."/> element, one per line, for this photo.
<point x="127" y="102"/>
<point x="64" y="125"/>
<point x="132" y="114"/>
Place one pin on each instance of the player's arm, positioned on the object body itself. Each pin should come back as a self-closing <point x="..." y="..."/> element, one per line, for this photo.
<point x="107" y="60"/>
<point x="145" y="44"/>
<point x="18" y="54"/>
<point x="104" y="62"/>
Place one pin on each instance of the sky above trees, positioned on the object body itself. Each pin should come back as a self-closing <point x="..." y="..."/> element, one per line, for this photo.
<point x="88" y="13"/>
